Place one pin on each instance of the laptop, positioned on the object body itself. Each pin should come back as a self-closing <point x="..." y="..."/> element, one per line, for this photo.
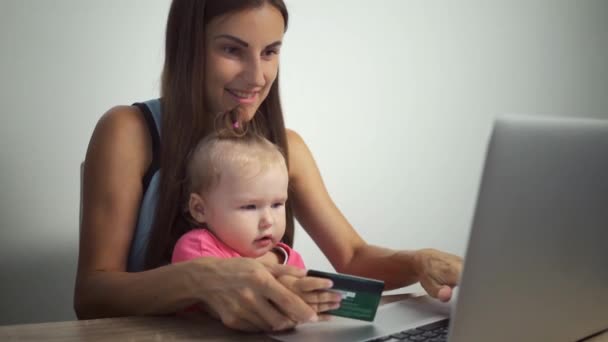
<point x="536" y="265"/>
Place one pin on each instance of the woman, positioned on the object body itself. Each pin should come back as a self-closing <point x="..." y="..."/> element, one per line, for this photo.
<point x="220" y="55"/>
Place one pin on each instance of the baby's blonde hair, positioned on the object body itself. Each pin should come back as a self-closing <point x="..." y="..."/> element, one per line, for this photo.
<point x="224" y="149"/>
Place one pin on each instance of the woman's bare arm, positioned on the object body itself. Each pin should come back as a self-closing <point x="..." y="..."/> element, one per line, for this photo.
<point x="117" y="158"/>
<point x="342" y="245"/>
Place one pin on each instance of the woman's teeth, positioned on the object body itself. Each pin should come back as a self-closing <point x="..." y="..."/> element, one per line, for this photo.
<point x="241" y="94"/>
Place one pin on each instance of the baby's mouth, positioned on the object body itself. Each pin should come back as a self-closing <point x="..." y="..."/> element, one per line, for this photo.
<point x="264" y="238"/>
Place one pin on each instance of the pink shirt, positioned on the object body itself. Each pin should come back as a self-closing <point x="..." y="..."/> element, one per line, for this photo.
<point x="201" y="242"/>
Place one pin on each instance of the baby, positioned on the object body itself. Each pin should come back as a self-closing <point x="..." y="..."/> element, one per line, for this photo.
<point x="237" y="189"/>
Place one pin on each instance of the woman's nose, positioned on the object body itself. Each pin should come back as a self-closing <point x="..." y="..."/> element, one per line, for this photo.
<point x="254" y="73"/>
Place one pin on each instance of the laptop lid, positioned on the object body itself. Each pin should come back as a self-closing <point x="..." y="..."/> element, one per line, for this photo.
<point x="536" y="266"/>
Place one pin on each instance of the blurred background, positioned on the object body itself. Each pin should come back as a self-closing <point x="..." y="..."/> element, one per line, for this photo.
<point x="394" y="98"/>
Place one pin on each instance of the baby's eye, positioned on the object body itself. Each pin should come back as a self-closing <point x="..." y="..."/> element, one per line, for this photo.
<point x="277" y="205"/>
<point x="248" y="207"/>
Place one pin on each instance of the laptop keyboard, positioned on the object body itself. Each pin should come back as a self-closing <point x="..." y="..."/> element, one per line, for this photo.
<point x="434" y="332"/>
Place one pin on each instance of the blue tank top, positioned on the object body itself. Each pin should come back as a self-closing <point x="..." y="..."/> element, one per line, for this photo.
<point x="151" y="111"/>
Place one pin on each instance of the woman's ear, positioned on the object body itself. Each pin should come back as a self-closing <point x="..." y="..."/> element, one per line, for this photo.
<point x="196" y="207"/>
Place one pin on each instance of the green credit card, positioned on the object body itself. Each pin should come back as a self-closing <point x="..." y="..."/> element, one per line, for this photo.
<point x="360" y="296"/>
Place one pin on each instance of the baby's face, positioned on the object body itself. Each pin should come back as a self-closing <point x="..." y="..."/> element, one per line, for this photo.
<point x="246" y="210"/>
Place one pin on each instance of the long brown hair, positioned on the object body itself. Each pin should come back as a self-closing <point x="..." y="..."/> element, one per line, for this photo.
<point x="185" y="120"/>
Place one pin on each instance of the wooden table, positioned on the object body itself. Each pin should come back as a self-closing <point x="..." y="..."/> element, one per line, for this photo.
<point x="194" y="328"/>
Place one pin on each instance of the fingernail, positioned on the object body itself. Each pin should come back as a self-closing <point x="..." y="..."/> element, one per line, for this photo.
<point x="335" y="306"/>
<point x="314" y="318"/>
<point x="329" y="284"/>
<point x="282" y="327"/>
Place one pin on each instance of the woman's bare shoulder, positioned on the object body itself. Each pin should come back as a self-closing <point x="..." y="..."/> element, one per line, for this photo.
<point x="294" y="140"/>
<point x="295" y="144"/>
<point x="301" y="161"/>
<point x="122" y="132"/>
<point x="122" y="120"/>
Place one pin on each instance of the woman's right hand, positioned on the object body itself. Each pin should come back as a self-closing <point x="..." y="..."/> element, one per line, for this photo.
<point x="314" y="291"/>
<point x="246" y="295"/>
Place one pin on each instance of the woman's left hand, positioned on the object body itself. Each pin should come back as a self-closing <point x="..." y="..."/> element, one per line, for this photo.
<point x="438" y="272"/>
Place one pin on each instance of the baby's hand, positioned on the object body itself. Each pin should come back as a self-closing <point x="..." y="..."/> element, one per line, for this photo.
<point x="269" y="259"/>
<point x="314" y="291"/>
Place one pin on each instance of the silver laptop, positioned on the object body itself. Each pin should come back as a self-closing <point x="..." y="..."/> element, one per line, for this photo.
<point x="536" y="266"/>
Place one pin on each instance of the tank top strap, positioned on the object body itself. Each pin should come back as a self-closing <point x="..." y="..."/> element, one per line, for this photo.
<point x="151" y="110"/>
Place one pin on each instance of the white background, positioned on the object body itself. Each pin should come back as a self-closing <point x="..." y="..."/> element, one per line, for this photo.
<point x="395" y="99"/>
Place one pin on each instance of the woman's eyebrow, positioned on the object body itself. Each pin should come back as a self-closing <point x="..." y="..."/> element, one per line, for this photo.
<point x="244" y="43"/>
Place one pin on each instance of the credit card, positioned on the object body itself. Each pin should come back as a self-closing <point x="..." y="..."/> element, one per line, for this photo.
<point x="360" y="296"/>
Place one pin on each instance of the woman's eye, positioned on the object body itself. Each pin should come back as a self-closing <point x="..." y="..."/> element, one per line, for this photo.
<point x="231" y="50"/>
<point x="271" y="52"/>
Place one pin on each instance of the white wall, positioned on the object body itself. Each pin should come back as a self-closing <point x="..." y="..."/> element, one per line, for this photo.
<point x="395" y="99"/>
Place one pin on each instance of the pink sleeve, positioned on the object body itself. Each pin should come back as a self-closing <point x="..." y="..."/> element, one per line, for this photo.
<point x="195" y="244"/>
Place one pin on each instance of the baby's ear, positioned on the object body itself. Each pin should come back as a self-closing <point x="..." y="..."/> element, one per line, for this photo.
<point x="196" y="207"/>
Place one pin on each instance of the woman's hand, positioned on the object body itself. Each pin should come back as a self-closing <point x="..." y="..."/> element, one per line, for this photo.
<point x="438" y="272"/>
<point x="246" y="295"/>
<point x="314" y="291"/>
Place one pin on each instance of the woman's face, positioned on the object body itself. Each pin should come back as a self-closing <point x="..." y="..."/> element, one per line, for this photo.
<point x="242" y="59"/>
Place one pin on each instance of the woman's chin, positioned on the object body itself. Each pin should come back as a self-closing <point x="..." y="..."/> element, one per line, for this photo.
<point x="247" y="115"/>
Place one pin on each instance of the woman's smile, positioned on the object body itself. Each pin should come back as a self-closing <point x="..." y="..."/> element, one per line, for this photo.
<point x="244" y="97"/>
